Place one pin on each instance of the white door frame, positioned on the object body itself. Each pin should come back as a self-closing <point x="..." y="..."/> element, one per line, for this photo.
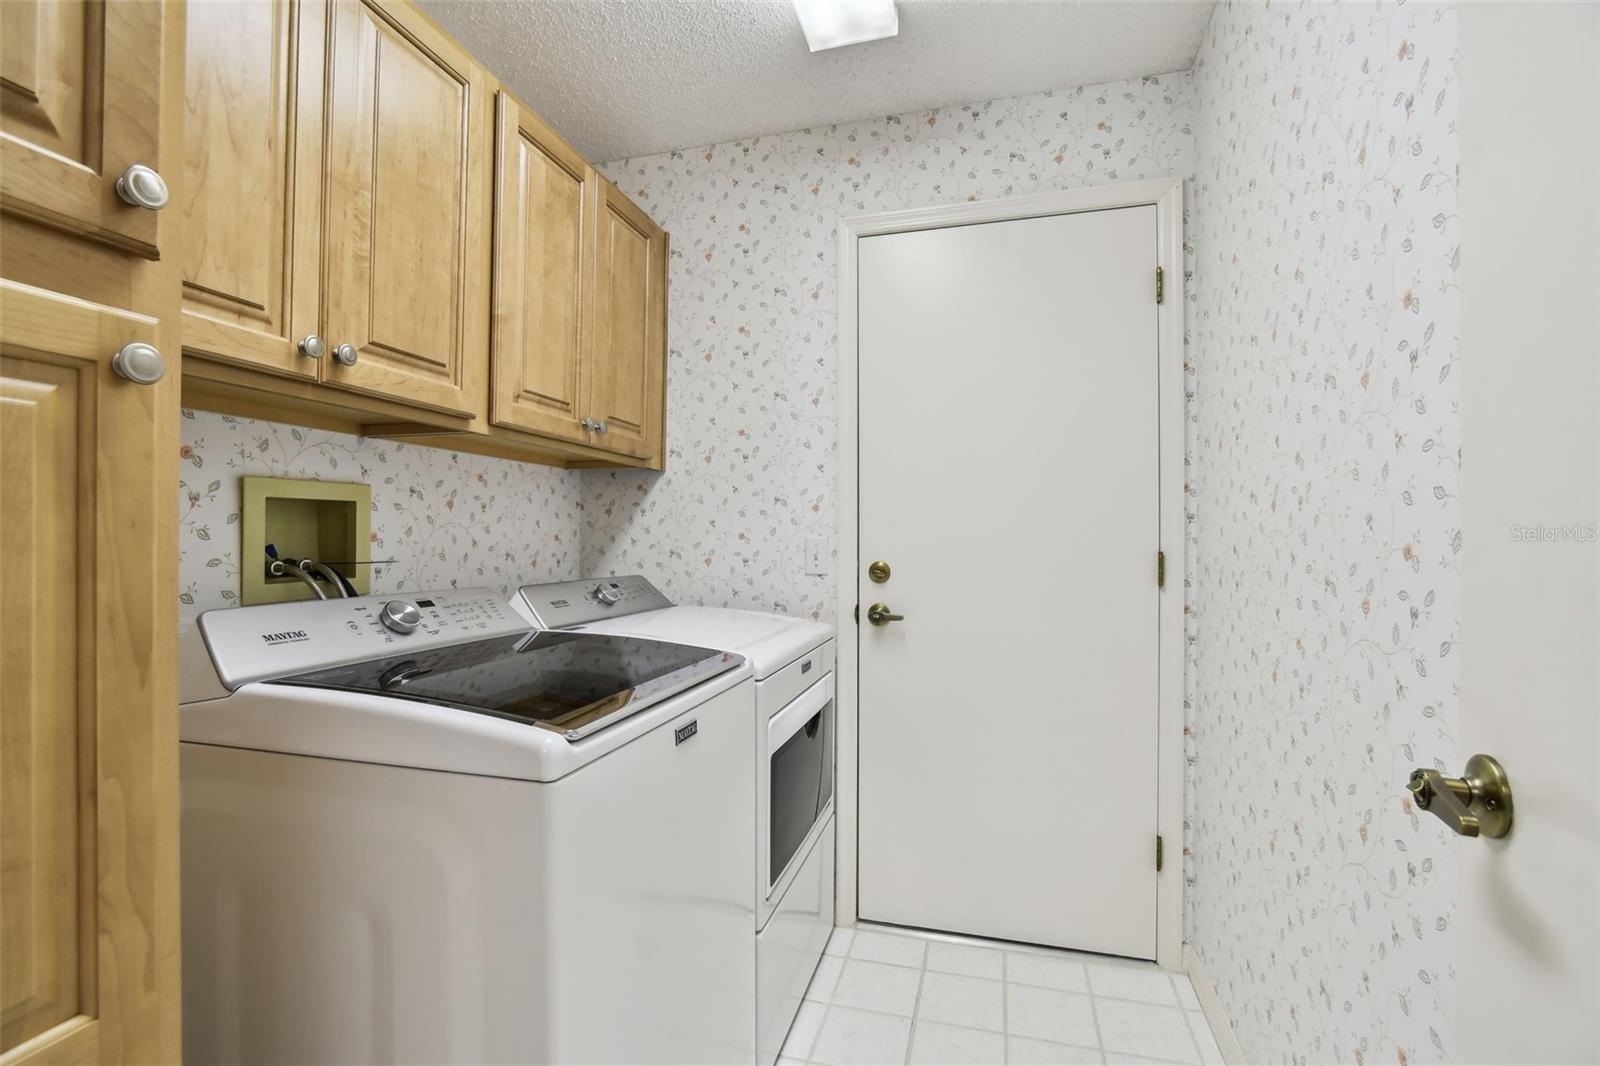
<point x="1166" y="195"/>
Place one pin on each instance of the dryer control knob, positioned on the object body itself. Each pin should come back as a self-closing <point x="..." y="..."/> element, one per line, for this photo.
<point x="607" y="594"/>
<point x="402" y="616"/>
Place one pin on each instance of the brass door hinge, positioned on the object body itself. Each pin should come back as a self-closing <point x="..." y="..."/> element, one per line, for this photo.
<point x="1160" y="852"/>
<point x="1161" y="570"/>
<point x="1161" y="285"/>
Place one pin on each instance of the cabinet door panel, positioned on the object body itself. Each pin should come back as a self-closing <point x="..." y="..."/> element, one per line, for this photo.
<point x="80" y="83"/>
<point x="544" y="239"/>
<point x="404" y="261"/>
<point x="627" y="388"/>
<point x="40" y="937"/>
<point x="251" y="195"/>
<point x="89" y="816"/>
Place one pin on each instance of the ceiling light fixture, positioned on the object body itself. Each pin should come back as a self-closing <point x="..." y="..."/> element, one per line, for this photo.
<point x="836" y="23"/>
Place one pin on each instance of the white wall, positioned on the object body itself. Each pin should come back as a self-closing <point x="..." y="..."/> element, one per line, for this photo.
<point x="1327" y="560"/>
<point x="752" y="376"/>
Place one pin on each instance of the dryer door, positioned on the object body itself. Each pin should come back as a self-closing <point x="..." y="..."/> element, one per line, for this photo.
<point x="799" y="775"/>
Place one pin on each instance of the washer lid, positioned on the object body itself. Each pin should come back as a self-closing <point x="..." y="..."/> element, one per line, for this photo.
<point x="566" y="682"/>
<point x="769" y="641"/>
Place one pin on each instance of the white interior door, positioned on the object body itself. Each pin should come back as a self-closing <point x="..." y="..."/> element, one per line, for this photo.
<point x="1529" y="941"/>
<point x="1008" y="476"/>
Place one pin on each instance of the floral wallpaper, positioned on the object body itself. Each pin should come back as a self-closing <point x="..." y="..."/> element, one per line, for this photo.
<point x="447" y="519"/>
<point x="753" y="371"/>
<point x="1326" y="562"/>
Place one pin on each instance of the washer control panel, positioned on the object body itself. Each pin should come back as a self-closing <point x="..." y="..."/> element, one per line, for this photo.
<point x="572" y="603"/>
<point x="279" y="639"/>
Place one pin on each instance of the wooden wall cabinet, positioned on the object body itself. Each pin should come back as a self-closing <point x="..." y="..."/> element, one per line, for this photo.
<point x="251" y="202"/>
<point x="544" y="208"/>
<point x="406" y="209"/>
<point x="579" y="346"/>
<point x="80" y="89"/>
<point x="335" y="212"/>
<point x="343" y="195"/>
<point x="627" y="388"/>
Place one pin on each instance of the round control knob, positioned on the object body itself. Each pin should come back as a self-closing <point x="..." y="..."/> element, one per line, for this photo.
<point x="346" y="355"/>
<point x="607" y="595"/>
<point x="402" y="616"/>
<point x="312" y="347"/>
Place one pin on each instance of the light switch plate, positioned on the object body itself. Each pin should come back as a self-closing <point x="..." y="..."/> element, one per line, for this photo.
<point x="816" y="547"/>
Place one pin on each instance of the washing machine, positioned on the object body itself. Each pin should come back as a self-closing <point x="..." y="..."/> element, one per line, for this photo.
<point x="792" y="662"/>
<point x="416" y="830"/>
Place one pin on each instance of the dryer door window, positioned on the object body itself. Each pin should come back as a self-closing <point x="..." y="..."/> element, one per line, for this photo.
<point x="801" y="783"/>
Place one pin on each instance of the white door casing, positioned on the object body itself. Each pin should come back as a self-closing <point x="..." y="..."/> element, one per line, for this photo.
<point x="1022" y="417"/>
<point x="1528" y="943"/>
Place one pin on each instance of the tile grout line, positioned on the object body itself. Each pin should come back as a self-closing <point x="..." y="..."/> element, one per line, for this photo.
<point x="1039" y="988"/>
<point x="1005" y="1009"/>
<point x="1094" y="1012"/>
<point x="916" y="1006"/>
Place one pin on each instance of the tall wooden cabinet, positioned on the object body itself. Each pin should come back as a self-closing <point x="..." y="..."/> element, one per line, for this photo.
<point x="80" y="85"/>
<point x="89" y="882"/>
<point x="89" y="948"/>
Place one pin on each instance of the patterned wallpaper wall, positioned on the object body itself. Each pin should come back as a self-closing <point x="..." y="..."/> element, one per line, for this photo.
<point x="448" y="519"/>
<point x="752" y="377"/>
<point x="1328" y="557"/>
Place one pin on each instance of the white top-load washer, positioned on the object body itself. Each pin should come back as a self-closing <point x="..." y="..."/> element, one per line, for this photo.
<point x="792" y="660"/>
<point x="420" y="831"/>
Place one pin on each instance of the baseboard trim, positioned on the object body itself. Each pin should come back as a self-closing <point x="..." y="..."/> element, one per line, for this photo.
<point x="1216" y="1017"/>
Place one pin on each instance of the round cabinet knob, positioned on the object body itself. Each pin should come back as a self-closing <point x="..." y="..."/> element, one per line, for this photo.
<point x="311" y="346"/>
<point x="401" y="616"/>
<point x="607" y="595"/>
<point x="140" y="363"/>
<point x="142" y="187"/>
<point x="345" y="355"/>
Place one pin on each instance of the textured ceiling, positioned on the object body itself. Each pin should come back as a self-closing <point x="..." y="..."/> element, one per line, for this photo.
<point x="623" y="78"/>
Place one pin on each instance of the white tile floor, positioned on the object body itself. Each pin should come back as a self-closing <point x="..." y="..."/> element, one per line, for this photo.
<point x="883" y="996"/>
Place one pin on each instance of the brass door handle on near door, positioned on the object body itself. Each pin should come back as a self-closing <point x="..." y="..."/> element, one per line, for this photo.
<point x="1478" y="803"/>
<point x="879" y="615"/>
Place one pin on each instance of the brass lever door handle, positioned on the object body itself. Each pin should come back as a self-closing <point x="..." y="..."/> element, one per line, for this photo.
<point x="879" y="615"/>
<point x="1478" y="803"/>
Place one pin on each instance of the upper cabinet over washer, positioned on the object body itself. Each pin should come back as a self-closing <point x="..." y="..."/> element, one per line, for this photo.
<point x="80" y="88"/>
<point x="544" y="212"/>
<point x="251" y="196"/>
<point x="627" y="389"/>
<point x="406" y="209"/>
<point x="375" y="239"/>
<point x="334" y="209"/>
